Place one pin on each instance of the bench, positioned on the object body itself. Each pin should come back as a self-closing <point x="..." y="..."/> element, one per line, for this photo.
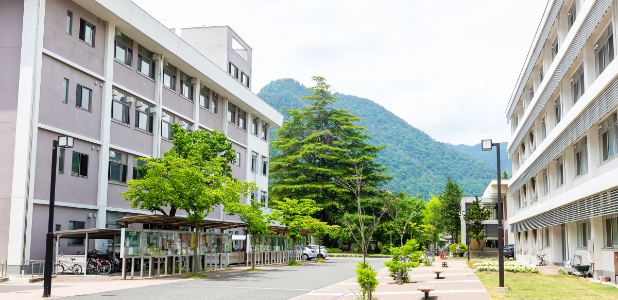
<point x="426" y="289"/>
<point x="444" y="264"/>
<point x="438" y="273"/>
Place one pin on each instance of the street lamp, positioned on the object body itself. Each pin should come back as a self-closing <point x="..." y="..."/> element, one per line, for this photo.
<point x="464" y="213"/>
<point x="63" y="142"/>
<point x="487" y="145"/>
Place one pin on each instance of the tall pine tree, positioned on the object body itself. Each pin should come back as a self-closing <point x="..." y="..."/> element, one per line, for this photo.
<point x="316" y="146"/>
<point x="451" y="206"/>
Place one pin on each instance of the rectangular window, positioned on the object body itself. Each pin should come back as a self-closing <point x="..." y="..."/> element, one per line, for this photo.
<point x="545" y="183"/>
<point x="554" y="48"/>
<point x="83" y="97"/>
<point x="75" y="225"/>
<point x="111" y="224"/>
<point x="123" y="50"/>
<point x="583" y="234"/>
<point x="604" y="50"/>
<point x="559" y="172"/>
<point x="264" y="197"/>
<point x="233" y="70"/>
<point x="79" y="164"/>
<point x="231" y="112"/>
<point x="204" y="97"/>
<point x="86" y="32"/>
<point x="244" y="79"/>
<point x="264" y="165"/>
<point x="572" y="15"/>
<point x="61" y="161"/>
<point x="166" y="125"/>
<point x="264" y="131"/>
<point x="242" y="119"/>
<point x="69" y="24"/>
<point x="531" y="92"/>
<point x="65" y="90"/>
<point x="215" y="103"/>
<point x="120" y="107"/>
<point x="145" y="65"/>
<point x="186" y="88"/>
<point x="610" y="227"/>
<point x="607" y="137"/>
<point x="237" y="159"/>
<point x="547" y="237"/>
<point x="543" y="130"/>
<point x="581" y="157"/>
<point x="254" y="126"/>
<point x="533" y="195"/>
<point x="143" y="116"/>
<point x="138" y="171"/>
<point x="577" y="84"/>
<point x="117" y="166"/>
<point x="169" y="76"/>
<point x="254" y="162"/>
<point x="541" y="73"/>
<point x="557" y="111"/>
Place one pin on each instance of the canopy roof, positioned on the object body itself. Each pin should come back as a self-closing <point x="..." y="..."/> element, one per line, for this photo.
<point x="93" y="233"/>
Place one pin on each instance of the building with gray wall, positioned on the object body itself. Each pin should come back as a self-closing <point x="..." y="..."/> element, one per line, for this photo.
<point x="114" y="78"/>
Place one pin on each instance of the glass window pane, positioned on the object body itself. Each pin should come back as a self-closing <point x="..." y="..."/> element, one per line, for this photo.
<point x="117" y="110"/>
<point x="114" y="171"/>
<point x="120" y="51"/>
<point x="165" y="127"/>
<point x="615" y="231"/>
<point x="111" y="218"/>
<point x="86" y="98"/>
<point x="75" y="163"/>
<point x="145" y="67"/>
<point x="69" y="22"/>
<point x="143" y="121"/>
<point x="65" y="90"/>
<point x="89" y="34"/>
<point x="61" y="161"/>
<point x="71" y="225"/>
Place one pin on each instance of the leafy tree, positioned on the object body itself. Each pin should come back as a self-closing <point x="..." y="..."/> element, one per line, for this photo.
<point x="257" y="222"/>
<point x="505" y="175"/>
<point x="295" y="215"/>
<point x="476" y="214"/>
<point x="431" y="225"/>
<point x="366" y="278"/>
<point x="320" y="230"/>
<point x="316" y="146"/>
<point x="403" y="212"/>
<point x="451" y="206"/>
<point x="404" y="258"/>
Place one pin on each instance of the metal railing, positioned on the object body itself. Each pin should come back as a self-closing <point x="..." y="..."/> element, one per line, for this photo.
<point x="31" y="263"/>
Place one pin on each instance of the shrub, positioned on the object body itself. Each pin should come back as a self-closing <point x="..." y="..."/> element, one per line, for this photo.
<point x="334" y="250"/>
<point x="404" y="258"/>
<point x="462" y="248"/>
<point x="385" y="249"/>
<point x="293" y="262"/>
<point x="357" y="250"/>
<point x="366" y="276"/>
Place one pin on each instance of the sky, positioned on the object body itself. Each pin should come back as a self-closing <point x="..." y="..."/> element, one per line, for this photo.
<point x="447" y="67"/>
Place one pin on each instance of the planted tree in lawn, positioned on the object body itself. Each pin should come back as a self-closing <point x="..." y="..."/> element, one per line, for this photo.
<point x="194" y="179"/>
<point x="476" y="215"/>
<point x="432" y="220"/>
<point x="404" y="258"/>
<point x="257" y="222"/>
<point x="403" y="211"/>
<point x="451" y="206"/>
<point x="295" y="214"/>
<point x="320" y="230"/>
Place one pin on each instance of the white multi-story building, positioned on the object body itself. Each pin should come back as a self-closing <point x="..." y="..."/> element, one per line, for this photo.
<point x="564" y="139"/>
<point x="115" y="79"/>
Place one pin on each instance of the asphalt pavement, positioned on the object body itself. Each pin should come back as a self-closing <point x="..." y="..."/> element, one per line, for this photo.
<point x="274" y="283"/>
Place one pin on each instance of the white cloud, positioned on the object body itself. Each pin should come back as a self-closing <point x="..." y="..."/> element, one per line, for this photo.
<point x="446" y="67"/>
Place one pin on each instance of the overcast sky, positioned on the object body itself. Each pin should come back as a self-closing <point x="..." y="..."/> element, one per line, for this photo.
<point x="446" y="67"/>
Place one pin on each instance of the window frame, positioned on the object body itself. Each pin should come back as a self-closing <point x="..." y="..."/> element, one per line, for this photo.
<point x="122" y="166"/>
<point x="242" y="119"/>
<point x="125" y="113"/>
<point x="231" y="113"/>
<point x="128" y="49"/>
<point x="61" y="154"/>
<point x="580" y="156"/>
<point x="65" y="90"/>
<point x="234" y="68"/>
<point x="169" y="124"/>
<point x="137" y="164"/>
<point x="237" y="162"/>
<point x="583" y="234"/>
<point x="554" y="48"/>
<point x="186" y="88"/>
<point x="69" y="23"/>
<point x="204" y="97"/>
<point x="572" y="15"/>
<point x="146" y="110"/>
<point x="264" y="132"/>
<point x="215" y="103"/>
<point x="255" y="126"/>
<point x="79" y="100"/>
<point x="608" y="145"/>
<point x="577" y="84"/>
<point x="546" y="182"/>
<point x="141" y="52"/>
<point x="611" y="235"/>
<point x="80" y="172"/>
<point x="264" y="167"/>
<point x="604" y="45"/>
<point x="560" y="172"/>
<point x="557" y="111"/>
<point x="76" y="241"/>
<point x="82" y="37"/>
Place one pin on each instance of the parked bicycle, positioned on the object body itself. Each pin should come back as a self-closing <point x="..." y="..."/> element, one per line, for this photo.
<point x="63" y="266"/>
<point x="541" y="259"/>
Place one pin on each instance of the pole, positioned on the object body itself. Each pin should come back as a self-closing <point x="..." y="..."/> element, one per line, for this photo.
<point x="500" y="228"/>
<point x="49" y="246"/>
<point x="391" y="232"/>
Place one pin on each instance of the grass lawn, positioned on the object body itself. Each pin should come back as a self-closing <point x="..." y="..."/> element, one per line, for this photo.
<point x="537" y="286"/>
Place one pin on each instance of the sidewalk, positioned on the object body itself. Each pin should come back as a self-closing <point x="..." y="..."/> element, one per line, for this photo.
<point x="459" y="282"/>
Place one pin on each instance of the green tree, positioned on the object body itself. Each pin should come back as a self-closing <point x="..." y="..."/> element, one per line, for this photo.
<point x="404" y="258"/>
<point x="451" y="206"/>
<point x="295" y="215"/>
<point x="476" y="214"/>
<point x="316" y="146"/>
<point x="186" y="182"/>
<point x="403" y="212"/>
<point x="257" y="222"/>
<point x="431" y="225"/>
<point x="320" y="230"/>
<point x="505" y="175"/>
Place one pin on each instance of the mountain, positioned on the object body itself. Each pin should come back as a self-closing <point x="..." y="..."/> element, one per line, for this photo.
<point x="418" y="163"/>
<point x="486" y="156"/>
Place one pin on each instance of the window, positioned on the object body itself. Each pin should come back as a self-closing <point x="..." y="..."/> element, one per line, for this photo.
<point x="244" y="79"/>
<point x="237" y="159"/>
<point x="61" y="161"/>
<point x="559" y="172"/>
<point x="123" y="48"/>
<point x="143" y="116"/>
<point x="534" y="196"/>
<point x="79" y="164"/>
<point x="138" y="172"/>
<point x="233" y="70"/>
<point x="120" y="107"/>
<point x="58" y="227"/>
<point x="583" y="234"/>
<point x="254" y="126"/>
<point x="604" y="50"/>
<point x="215" y="103"/>
<point x="69" y="24"/>
<point x="204" y="97"/>
<point x="531" y="140"/>
<point x="83" y="97"/>
<point x="610" y="227"/>
<point x="531" y="92"/>
<point x="86" y="32"/>
<point x="571" y="16"/>
<point x="111" y="224"/>
<point x="145" y="65"/>
<point x="264" y="165"/>
<point x="577" y="84"/>
<point x="254" y="162"/>
<point x="117" y="166"/>
<point x="242" y="119"/>
<point x="543" y="130"/>
<point x="186" y="88"/>
<point x="607" y="137"/>
<point x="231" y="113"/>
<point x="264" y="197"/>
<point x="166" y="125"/>
<point x="65" y="91"/>
<point x="524" y="194"/>
<point x="169" y="76"/>
<point x="547" y="237"/>
<point x="554" y="48"/>
<point x="264" y="131"/>
<point x="541" y="73"/>
<point x="581" y="157"/>
<point x="75" y="225"/>
<point x="545" y="183"/>
<point x="557" y="111"/>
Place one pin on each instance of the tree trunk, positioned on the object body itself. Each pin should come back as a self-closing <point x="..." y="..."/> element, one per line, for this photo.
<point x="252" y="252"/>
<point x="195" y="249"/>
<point x="349" y="246"/>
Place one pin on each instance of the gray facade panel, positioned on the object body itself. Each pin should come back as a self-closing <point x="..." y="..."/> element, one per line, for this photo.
<point x="236" y="134"/>
<point x="69" y="188"/>
<point x="129" y="137"/>
<point x="131" y="79"/>
<point x="116" y="200"/>
<point x="165" y="146"/>
<point x="177" y="103"/>
<point x="67" y="116"/>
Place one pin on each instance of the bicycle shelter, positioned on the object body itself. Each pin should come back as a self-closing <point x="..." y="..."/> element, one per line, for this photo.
<point x="87" y="235"/>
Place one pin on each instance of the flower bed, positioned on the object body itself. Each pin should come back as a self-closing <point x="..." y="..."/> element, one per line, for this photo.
<point x="509" y="267"/>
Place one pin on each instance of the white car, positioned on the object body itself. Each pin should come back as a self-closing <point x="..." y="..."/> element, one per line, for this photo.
<point x="323" y="252"/>
<point x="309" y="253"/>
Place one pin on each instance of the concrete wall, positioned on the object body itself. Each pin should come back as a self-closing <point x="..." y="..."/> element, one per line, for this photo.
<point x="130" y="78"/>
<point x="11" y="19"/>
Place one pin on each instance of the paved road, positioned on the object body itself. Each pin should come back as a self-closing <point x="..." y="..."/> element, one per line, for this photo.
<point x="271" y="283"/>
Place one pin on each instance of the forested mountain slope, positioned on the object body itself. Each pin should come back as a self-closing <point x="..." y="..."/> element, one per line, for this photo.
<point x="418" y="163"/>
<point x="486" y="156"/>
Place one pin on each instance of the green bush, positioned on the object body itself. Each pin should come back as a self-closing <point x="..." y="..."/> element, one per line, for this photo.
<point x="462" y="248"/>
<point x="385" y="249"/>
<point x="404" y="258"/>
<point x="357" y="250"/>
<point x="334" y="250"/>
<point x="366" y="277"/>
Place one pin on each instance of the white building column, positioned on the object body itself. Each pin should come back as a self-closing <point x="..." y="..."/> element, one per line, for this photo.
<point x="196" y="103"/>
<point x="156" y="140"/>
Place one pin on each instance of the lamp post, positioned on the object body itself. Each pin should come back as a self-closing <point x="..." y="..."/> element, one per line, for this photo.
<point x="464" y="213"/>
<point x="487" y="145"/>
<point x="63" y="142"/>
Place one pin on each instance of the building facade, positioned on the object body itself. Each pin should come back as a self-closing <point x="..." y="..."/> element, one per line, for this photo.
<point x="564" y="139"/>
<point x="112" y="77"/>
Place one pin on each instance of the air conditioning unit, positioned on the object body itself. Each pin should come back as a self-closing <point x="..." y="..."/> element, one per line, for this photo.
<point x="156" y="57"/>
<point x="116" y="95"/>
<point x="139" y="104"/>
<point x="182" y="123"/>
<point x="128" y="99"/>
<point x="112" y="154"/>
<point x="193" y="81"/>
<point x="163" y="115"/>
